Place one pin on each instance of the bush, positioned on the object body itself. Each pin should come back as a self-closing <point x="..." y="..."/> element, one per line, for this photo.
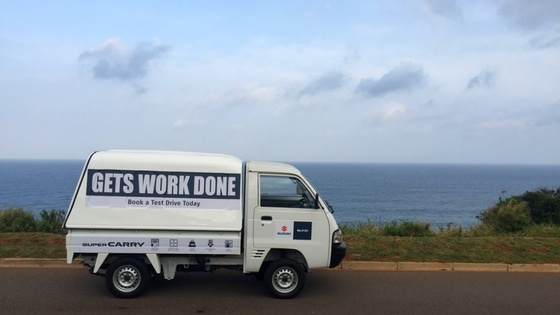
<point x="367" y="228"/>
<point x="17" y="220"/>
<point x="51" y="221"/>
<point x="544" y="205"/>
<point x="507" y="216"/>
<point x="451" y="230"/>
<point x="407" y="228"/>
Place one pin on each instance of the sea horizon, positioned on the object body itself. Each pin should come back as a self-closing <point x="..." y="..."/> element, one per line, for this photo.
<point x="434" y="193"/>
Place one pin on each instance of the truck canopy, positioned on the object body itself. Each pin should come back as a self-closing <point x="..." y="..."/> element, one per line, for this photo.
<point x="158" y="190"/>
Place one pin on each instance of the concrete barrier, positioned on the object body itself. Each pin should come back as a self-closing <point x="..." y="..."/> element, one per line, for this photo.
<point x="424" y="266"/>
<point x="534" y="267"/>
<point x="368" y="265"/>
<point x="494" y="267"/>
<point x="38" y="263"/>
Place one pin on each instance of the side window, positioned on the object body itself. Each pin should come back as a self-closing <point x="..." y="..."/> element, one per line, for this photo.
<point x="284" y="192"/>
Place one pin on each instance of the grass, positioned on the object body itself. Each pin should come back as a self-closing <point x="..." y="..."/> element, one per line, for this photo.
<point x="32" y="245"/>
<point x="370" y="242"/>
<point x="414" y="241"/>
<point x="492" y="249"/>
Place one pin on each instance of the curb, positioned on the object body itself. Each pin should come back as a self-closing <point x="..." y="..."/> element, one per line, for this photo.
<point x="345" y="265"/>
<point x="440" y="266"/>
<point x="39" y="263"/>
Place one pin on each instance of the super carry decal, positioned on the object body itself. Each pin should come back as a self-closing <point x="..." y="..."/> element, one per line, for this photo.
<point x="297" y="230"/>
<point x="161" y="245"/>
<point x="146" y="189"/>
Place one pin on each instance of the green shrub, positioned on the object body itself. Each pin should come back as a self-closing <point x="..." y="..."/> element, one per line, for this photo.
<point x="17" y="220"/>
<point x="451" y="230"/>
<point x="541" y="230"/>
<point x="407" y="228"/>
<point x="51" y="221"/>
<point x="367" y="228"/>
<point x="479" y="231"/>
<point x="544" y="205"/>
<point x="507" y="216"/>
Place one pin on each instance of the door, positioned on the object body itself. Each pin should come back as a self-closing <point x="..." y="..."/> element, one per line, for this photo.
<point x="287" y="216"/>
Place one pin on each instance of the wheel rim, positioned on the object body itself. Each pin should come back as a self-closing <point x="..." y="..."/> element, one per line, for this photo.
<point x="285" y="280"/>
<point x="127" y="278"/>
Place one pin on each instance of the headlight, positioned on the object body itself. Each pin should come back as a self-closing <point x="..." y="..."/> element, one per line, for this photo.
<point x="337" y="237"/>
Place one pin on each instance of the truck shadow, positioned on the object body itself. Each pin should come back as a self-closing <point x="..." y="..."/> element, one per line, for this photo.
<point x="219" y="282"/>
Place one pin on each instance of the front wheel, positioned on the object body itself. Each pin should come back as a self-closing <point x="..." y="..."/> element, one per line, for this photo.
<point x="285" y="278"/>
<point x="126" y="277"/>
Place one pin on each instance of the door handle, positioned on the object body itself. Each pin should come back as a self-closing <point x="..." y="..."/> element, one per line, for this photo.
<point x="266" y="218"/>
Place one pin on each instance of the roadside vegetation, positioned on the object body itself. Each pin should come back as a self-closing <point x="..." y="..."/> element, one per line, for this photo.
<point x="14" y="220"/>
<point x="519" y="229"/>
<point x="23" y="235"/>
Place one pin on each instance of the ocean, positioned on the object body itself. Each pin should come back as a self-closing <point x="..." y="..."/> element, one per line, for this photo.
<point x="438" y="194"/>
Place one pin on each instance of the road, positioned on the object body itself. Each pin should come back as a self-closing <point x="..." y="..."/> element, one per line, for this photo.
<point x="75" y="291"/>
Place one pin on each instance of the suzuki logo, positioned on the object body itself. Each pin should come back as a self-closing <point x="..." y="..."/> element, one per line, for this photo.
<point x="284" y="228"/>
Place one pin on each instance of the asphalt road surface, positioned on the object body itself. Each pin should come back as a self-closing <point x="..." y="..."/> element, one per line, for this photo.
<point x="75" y="291"/>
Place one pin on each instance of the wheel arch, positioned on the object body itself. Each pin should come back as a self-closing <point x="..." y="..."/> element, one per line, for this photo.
<point x="101" y="261"/>
<point x="279" y="253"/>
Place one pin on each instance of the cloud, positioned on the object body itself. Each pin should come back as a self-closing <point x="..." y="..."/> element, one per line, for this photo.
<point x="180" y="123"/>
<point x="251" y="94"/>
<point x="405" y="76"/>
<point x="484" y="79"/>
<point x="535" y="116"/>
<point x="530" y="15"/>
<point x="548" y="115"/>
<point x="114" y="60"/>
<point x="547" y="40"/>
<point x="501" y="124"/>
<point x="329" y="81"/>
<point x="390" y="112"/>
<point x="446" y="8"/>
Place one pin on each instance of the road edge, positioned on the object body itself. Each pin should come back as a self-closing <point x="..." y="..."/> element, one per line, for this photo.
<point x="447" y="266"/>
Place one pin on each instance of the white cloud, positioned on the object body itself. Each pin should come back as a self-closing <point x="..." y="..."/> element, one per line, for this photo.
<point x="446" y="8"/>
<point x="251" y="94"/>
<point x="501" y="124"/>
<point x="329" y="81"/>
<point x="180" y="123"/>
<point x="388" y="113"/>
<point x="530" y="15"/>
<point x="406" y="76"/>
<point x="114" y="60"/>
<point x="484" y="79"/>
<point x="547" y="39"/>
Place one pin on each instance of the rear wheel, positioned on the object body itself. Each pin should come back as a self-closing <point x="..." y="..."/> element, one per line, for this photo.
<point x="285" y="278"/>
<point x="126" y="277"/>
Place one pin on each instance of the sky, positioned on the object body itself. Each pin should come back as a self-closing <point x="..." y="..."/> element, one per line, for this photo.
<point x="409" y="81"/>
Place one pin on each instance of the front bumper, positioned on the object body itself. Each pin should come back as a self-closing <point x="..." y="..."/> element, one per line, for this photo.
<point x="338" y="252"/>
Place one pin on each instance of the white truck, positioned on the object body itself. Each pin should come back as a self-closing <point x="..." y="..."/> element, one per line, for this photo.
<point x="138" y="214"/>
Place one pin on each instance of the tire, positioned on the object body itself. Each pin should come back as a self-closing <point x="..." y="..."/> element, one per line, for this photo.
<point x="126" y="277"/>
<point x="259" y="276"/>
<point x="285" y="278"/>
